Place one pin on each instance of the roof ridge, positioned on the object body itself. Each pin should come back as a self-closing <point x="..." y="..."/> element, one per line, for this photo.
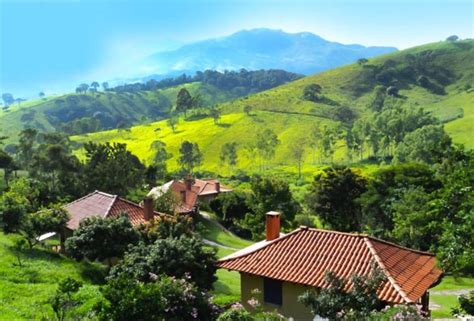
<point x="373" y="238"/>
<point x="337" y="232"/>
<point x="264" y="245"/>
<point x="86" y="196"/>
<point x="111" y="205"/>
<point x="138" y="205"/>
<point x="390" y="278"/>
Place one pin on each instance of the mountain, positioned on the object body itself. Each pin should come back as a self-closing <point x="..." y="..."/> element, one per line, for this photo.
<point x="436" y="77"/>
<point x="303" y="53"/>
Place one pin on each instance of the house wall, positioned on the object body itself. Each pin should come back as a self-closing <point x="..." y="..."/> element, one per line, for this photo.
<point x="290" y="292"/>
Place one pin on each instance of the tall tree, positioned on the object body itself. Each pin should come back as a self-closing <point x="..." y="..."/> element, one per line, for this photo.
<point x="229" y="154"/>
<point x="105" y="86"/>
<point x="184" y="101"/>
<point x="94" y="85"/>
<point x="333" y="198"/>
<point x="160" y="157"/>
<point x="190" y="156"/>
<point x="297" y="152"/>
<point x="8" y="99"/>
<point x="266" y="143"/>
<point x="111" y="168"/>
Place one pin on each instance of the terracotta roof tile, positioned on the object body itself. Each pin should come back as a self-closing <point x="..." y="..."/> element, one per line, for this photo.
<point x="103" y="205"/>
<point x="304" y="255"/>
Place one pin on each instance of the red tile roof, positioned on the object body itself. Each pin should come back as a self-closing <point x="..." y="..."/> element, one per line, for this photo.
<point x="103" y="205"/>
<point x="304" y="255"/>
<point x="190" y="199"/>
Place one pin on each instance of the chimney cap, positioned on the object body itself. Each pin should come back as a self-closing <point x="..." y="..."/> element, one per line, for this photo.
<point x="273" y="213"/>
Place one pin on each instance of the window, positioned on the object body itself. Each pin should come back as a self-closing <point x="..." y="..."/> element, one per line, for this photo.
<point x="272" y="291"/>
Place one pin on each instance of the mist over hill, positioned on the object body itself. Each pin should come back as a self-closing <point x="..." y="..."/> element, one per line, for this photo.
<point x="302" y="52"/>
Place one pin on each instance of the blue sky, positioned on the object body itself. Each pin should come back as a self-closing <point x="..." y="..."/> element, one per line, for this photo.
<point x="52" y="45"/>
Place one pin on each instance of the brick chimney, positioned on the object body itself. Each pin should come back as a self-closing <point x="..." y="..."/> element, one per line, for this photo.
<point x="218" y="186"/>
<point x="272" y="225"/>
<point x="148" y="212"/>
<point x="189" y="182"/>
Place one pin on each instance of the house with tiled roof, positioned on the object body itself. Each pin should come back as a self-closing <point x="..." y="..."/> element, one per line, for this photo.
<point x="108" y="206"/>
<point x="283" y="267"/>
<point x="190" y="192"/>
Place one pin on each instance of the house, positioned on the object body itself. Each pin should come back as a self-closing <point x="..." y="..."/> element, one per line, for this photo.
<point x="283" y="267"/>
<point x="107" y="205"/>
<point x="190" y="192"/>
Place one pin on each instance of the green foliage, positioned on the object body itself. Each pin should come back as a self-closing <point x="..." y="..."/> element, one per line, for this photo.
<point x="428" y="144"/>
<point x="229" y="154"/>
<point x="163" y="298"/>
<point x="333" y="197"/>
<point x="386" y="187"/>
<point x="111" y="168"/>
<point x="36" y="224"/>
<point x="101" y="238"/>
<point x="266" y="142"/>
<point x="312" y="92"/>
<point x="230" y="207"/>
<point x="466" y="305"/>
<point x="190" y="156"/>
<point x="269" y="194"/>
<point x="167" y="202"/>
<point x="13" y="207"/>
<point x="160" y="158"/>
<point x="336" y="303"/>
<point x="64" y="299"/>
<point x="183" y="256"/>
<point x="235" y="314"/>
<point x="168" y="226"/>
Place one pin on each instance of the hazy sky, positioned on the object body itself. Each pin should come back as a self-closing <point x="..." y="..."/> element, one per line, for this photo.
<point x="45" y="44"/>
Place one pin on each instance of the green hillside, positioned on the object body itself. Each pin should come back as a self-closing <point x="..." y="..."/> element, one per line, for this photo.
<point x="100" y="110"/>
<point x="447" y="66"/>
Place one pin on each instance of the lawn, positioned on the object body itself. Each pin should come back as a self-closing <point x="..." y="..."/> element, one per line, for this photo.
<point x="444" y="294"/>
<point x="25" y="290"/>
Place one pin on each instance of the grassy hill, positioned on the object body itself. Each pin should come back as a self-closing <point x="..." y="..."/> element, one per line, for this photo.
<point x="447" y="66"/>
<point x="94" y="111"/>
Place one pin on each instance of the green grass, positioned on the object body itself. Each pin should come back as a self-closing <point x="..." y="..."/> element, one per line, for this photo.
<point x="284" y="110"/>
<point x="25" y="291"/>
<point x="214" y="232"/>
<point x="448" y="301"/>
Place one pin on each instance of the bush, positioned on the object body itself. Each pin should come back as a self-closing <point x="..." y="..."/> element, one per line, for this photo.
<point x="165" y="298"/>
<point x="235" y="313"/>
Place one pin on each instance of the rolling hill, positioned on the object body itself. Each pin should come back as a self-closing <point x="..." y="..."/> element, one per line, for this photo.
<point x="130" y="104"/>
<point x="449" y="97"/>
<point x="303" y="52"/>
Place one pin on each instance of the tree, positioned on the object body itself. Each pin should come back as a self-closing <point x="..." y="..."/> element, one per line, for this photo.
<point x="215" y="114"/>
<point x="172" y="121"/>
<point x="190" y="156"/>
<point x="6" y="162"/>
<point x="312" y="92"/>
<point x="247" y="109"/>
<point x="64" y="299"/>
<point x="25" y="148"/>
<point x="8" y="99"/>
<point x="18" y="247"/>
<point x="160" y="158"/>
<point x="315" y="140"/>
<point x="229" y="154"/>
<point x="13" y="207"/>
<point x="94" y="86"/>
<point x="230" y="206"/>
<point x="166" y="226"/>
<point x="163" y="298"/>
<point x="386" y="187"/>
<point x="105" y="86"/>
<point x="184" y="101"/>
<point x="82" y="88"/>
<point x="335" y="302"/>
<point x="266" y="143"/>
<point x="392" y="91"/>
<point x="465" y="306"/>
<point x="362" y="61"/>
<point x="452" y="38"/>
<point x="182" y="257"/>
<point x="41" y="95"/>
<point x="111" y="168"/>
<point x="99" y="238"/>
<point x="297" y="152"/>
<point x="333" y="197"/>
<point x="269" y="194"/>
<point x="47" y="220"/>
<point x="167" y="202"/>
<point x="428" y="144"/>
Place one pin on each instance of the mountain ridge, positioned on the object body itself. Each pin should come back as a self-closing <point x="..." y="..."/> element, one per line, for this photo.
<point x="263" y="48"/>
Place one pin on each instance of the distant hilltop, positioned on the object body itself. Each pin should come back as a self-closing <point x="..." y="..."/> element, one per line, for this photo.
<point x="302" y="52"/>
